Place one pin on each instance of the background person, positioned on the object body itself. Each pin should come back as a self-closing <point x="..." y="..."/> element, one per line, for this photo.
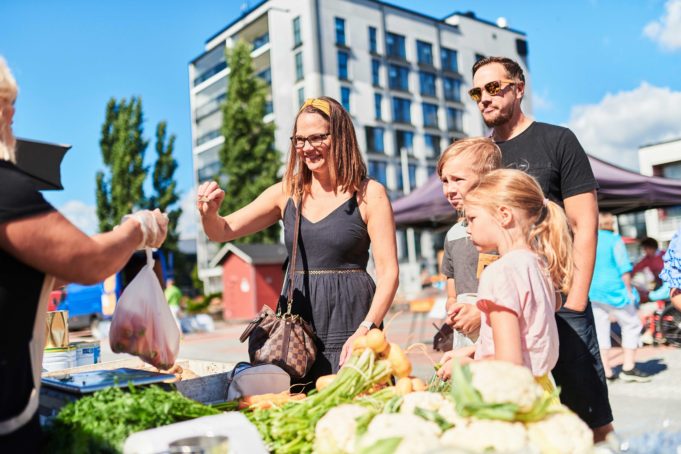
<point x="343" y="213"/>
<point x="671" y="273"/>
<point x="652" y="260"/>
<point x="613" y="296"/>
<point x="553" y="155"/>
<point x="38" y="246"/>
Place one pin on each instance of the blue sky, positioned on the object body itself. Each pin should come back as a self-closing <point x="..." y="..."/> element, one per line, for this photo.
<point x="608" y="69"/>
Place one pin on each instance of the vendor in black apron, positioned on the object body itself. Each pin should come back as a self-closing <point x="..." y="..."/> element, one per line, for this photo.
<point x="38" y="246"/>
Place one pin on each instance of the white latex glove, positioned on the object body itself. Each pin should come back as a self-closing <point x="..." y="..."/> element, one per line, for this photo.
<point x="154" y="225"/>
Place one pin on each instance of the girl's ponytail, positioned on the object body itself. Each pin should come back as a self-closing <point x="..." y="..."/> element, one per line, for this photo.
<point x="550" y="237"/>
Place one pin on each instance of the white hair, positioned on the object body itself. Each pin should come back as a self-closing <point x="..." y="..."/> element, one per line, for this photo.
<point x="8" y="93"/>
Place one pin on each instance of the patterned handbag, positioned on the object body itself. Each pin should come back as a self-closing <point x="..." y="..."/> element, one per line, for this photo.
<point x="285" y="340"/>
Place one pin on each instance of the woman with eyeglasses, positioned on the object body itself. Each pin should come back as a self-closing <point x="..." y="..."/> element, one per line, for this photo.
<point x="343" y="214"/>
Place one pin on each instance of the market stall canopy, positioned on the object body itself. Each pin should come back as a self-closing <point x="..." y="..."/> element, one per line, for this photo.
<point x="621" y="191"/>
<point x="42" y="162"/>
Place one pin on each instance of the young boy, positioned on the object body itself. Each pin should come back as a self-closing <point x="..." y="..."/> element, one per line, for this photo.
<point x="460" y="168"/>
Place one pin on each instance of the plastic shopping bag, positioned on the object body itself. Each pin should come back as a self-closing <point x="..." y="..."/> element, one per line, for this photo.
<point x="142" y="323"/>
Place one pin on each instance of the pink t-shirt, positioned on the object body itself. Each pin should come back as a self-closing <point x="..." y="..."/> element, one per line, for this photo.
<point x="519" y="281"/>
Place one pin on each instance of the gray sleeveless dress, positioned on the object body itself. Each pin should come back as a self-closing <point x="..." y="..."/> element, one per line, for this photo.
<point x="332" y="289"/>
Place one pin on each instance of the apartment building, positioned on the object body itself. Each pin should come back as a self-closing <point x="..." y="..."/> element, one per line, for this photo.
<point x="402" y="75"/>
<point x="662" y="159"/>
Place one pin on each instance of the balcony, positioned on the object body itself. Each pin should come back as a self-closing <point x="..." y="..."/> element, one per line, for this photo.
<point x="210" y="107"/>
<point x="210" y="73"/>
<point x="210" y="135"/>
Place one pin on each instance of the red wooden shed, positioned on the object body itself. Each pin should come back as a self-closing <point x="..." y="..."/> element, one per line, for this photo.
<point x="252" y="276"/>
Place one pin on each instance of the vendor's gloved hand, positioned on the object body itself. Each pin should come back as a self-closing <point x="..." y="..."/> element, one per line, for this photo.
<point x="154" y="225"/>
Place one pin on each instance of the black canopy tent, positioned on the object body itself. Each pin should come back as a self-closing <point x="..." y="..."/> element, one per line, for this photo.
<point x="621" y="191"/>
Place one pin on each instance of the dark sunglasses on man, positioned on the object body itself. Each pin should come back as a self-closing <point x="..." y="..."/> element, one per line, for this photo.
<point x="493" y="88"/>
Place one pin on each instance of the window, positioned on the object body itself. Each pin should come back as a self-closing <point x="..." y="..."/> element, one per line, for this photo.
<point x="375" y="72"/>
<point x="430" y="115"/>
<point x="432" y="146"/>
<point x="452" y="89"/>
<point x="427" y="82"/>
<point x="398" y="77"/>
<point x="261" y="41"/>
<point x="411" y="170"/>
<point x="373" y="43"/>
<point x="424" y="53"/>
<point x="378" y="106"/>
<point x="417" y="239"/>
<point x="301" y="96"/>
<point x="269" y="107"/>
<point x="377" y="171"/>
<point x="448" y="58"/>
<point x="342" y="65"/>
<point x="345" y="98"/>
<point x="395" y="46"/>
<point x="340" y="31"/>
<point x="266" y="76"/>
<point x="401" y="110"/>
<point x="297" y="40"/>
<point x="374" y="139"/>
<point x="454" y="119"/>
<point x="209" y="64"/>
<point x="404" y="139"/>
<point x="431" y="170"/>
<point x="299" y="66"/>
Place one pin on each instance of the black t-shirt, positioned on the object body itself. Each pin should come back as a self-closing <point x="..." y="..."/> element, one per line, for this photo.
<point x="552" y="154"/>
<point x="20" y="287"/>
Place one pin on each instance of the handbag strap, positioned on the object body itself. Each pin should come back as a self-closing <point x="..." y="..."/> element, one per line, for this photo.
<point x="294" y="253"/>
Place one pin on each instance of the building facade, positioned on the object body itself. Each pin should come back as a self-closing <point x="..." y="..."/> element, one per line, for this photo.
<point x="401" y="74"/>
<point x="662" y="160"/>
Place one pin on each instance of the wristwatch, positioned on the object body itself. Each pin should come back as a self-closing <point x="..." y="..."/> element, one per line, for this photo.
<point x="368" y="325"/>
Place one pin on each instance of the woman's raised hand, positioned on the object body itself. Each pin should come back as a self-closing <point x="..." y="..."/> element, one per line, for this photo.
<point x="209" y="198"/>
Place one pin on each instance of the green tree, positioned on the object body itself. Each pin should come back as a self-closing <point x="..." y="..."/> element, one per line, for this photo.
<point x="248" y="158"/>
<point x="119" y="191"/>
<point x="165" y="194"/>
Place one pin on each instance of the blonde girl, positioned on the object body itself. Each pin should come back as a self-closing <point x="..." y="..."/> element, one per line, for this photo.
<point x="518" y="294"/>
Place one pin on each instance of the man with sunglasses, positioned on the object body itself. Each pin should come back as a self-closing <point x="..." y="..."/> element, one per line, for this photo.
<point x="553" y="155"/>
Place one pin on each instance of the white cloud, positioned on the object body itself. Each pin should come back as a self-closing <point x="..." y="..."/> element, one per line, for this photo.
<point x="666" y="31"/>
<point x="541" y="101"/>
<point x="614" y="128"/>
<point x="187" y="226"/>
<point x="81" y="215"/>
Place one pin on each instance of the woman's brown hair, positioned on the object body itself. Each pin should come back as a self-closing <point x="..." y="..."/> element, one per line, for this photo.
<point x="346" y="165"/>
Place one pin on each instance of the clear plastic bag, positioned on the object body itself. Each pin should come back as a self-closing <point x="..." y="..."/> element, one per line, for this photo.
<point x="143" y="324"/>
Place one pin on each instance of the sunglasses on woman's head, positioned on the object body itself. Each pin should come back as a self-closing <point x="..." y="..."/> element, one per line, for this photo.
<point x="493" y="88"/>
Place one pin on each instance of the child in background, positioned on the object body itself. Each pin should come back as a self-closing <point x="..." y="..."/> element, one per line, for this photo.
<point x="517" y="295"/>
<point x="460" y="168"/>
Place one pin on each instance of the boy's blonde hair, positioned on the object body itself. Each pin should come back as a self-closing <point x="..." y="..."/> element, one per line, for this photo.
<point x="486" y="153"/>
<point x="547" y="232"/>
<point x="8" y="93"/>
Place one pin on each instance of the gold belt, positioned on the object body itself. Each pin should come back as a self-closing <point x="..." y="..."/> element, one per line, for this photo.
<point x="331" y="271"/>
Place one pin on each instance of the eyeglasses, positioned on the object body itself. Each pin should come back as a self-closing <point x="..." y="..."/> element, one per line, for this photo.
<point x="315" y="140"/>
<point x="493" y="88"/>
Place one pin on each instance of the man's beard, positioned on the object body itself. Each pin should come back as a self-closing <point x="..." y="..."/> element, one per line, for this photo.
<point x="500" y="119"/>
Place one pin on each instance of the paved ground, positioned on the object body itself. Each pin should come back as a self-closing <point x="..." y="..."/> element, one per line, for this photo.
<point x="637" y="407"/>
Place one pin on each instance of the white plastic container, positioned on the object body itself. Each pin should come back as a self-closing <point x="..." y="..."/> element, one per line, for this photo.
<point x="243" y="437"/>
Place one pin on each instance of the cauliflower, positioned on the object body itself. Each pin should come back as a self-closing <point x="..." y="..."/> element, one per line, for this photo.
<point x="335" y="431"/>
<point x="561" y="433"/>
<point x="431" y="401"/>
<point x="417" y="434"/>
<point x="481" y="435"/>
<point x="503" y="382"/>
